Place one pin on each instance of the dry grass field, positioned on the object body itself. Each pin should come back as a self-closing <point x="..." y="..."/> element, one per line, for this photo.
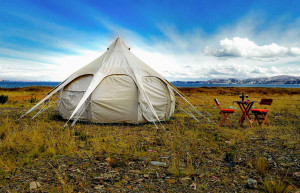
<point x="196" y="157"/>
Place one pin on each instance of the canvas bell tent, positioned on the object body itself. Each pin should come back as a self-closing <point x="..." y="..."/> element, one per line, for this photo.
<point x="117" y="87"/>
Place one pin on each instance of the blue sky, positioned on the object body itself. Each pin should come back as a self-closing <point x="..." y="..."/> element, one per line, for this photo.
<point x="183" y="40"/>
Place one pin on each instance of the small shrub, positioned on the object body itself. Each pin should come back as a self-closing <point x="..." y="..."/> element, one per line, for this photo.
<point x="118" y="163"/>
<point x="261" y="165"/>
<point x="33" y="99"/>
<point x="277" y="186"/>
<point x="42" y="148"/>
<point x="189" y="169"/>
<point x="83" y="137"/>
<point x="222" y="92"/>
<point x="3" y="99"/>
<point x="229" y="156"/>
<point x="176" y="105"/>
<point x="174" y="167"/>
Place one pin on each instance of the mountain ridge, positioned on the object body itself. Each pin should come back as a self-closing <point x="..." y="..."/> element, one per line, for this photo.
<point x="282" y="79"/>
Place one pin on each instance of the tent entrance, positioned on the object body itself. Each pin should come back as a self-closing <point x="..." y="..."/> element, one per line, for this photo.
<point x="115" y="100"/>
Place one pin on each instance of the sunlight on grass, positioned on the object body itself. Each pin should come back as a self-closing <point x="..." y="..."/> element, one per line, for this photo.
<point x="215" y="158"/>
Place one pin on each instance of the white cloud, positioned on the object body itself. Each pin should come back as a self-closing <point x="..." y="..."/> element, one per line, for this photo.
<point x="243" y="71"/>
<point x="177" y="56"/>
<point x="201" y="67"/>
<point x="294" y="51"/>
<point x="243" y="47"/>
<point x="58" y="68"/>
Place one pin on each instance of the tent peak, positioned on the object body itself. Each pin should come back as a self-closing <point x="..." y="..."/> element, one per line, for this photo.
<point x="118" y="44"/>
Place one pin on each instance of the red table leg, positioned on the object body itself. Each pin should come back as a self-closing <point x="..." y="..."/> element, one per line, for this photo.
<point x="245" y="110"/>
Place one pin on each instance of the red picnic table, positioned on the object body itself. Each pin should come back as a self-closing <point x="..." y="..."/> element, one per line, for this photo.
<point x="245" y="107"/>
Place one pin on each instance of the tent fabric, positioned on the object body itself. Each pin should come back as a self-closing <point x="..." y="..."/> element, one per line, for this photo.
<point x="70" y="96"/>
<point x="116" y="87"/>
<point x="79" y="84"/>
<point x="159" y="96"/>
<point x="115" y="100"/>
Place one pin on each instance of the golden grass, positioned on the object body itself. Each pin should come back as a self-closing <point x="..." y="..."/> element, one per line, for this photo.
<point x="277" y="186"/>
<point x="216" y="159"/>
<point x="261" y="165"/>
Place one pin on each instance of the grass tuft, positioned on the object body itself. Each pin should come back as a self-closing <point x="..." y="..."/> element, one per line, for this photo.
<point x="261" y="165"/>
<point x="277" y="186"/>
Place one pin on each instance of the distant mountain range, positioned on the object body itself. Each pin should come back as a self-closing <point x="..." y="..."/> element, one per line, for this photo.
<point x="284" y="79"/>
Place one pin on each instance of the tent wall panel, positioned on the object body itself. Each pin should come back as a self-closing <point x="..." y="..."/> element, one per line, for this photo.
<point x="115" y="100"/>
<point x="159" y="97"/>
<point x="79" y="84"/>
<point x="70" y="96"/>
<point x="171" y="108"/>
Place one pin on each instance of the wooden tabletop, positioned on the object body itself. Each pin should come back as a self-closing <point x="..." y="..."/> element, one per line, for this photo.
<point x="244" y="102"/>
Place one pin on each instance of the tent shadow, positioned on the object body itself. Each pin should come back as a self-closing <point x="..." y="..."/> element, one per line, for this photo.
<point x="58" y="117"/>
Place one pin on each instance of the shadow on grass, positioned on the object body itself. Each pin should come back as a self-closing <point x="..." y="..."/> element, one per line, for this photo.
<point x="58" y="117"/>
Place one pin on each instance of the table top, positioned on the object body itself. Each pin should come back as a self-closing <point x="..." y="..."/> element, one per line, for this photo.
<point x="244" y="102"/>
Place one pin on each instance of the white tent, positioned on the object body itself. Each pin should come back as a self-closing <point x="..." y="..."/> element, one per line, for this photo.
<point x="117" y="87"/>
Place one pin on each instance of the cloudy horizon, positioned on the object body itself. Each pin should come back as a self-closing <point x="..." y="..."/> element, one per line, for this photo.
<point x="47" y="41"/>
